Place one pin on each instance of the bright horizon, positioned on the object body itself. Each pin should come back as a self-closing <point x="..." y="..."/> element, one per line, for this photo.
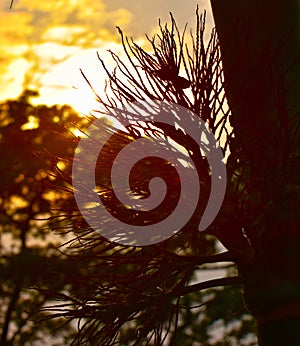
<point x="44" y="45"/>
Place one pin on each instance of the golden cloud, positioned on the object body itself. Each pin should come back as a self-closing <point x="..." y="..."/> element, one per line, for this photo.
<point x="45" y="33"/>
<point x="38" y="36"/>
<point x="15" y="28"/>
<point x="81" y="21"/>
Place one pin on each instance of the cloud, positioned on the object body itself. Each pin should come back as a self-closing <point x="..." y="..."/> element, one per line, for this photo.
<point x="15" y="27"/>
<point x="45" y="33"/>
<point x="41" y="42"/>
<point x="13" y="77"/>
<point x="66" y="84"/>
<point x="146" y="13"/>
<point x="79" y="22"/>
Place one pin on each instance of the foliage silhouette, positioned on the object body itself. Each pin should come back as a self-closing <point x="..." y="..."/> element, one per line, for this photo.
<point x="135" y="295"/>
<point x="28" y="250"/>
<point x="132" y="295"/>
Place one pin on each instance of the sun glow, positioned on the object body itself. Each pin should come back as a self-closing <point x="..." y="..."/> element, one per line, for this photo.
<point x="65" y="84"/>
<point x="44" y="44"/>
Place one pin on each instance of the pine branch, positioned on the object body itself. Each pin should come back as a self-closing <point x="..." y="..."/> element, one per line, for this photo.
<point x="233" y="280"/>
<point x="199" y="260"/>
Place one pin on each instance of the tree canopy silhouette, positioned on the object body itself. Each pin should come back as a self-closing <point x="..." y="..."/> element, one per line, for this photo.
<point x="134" y="295"/>
<point x="143" y="285"/>
<point x="28" y="249"/>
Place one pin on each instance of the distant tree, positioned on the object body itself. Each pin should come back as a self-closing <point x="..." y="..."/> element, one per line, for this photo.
<point x="27" y="199"/>
<point x="138" y="295"/>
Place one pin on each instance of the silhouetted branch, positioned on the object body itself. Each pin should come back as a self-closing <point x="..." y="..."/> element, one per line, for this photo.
<point x="234" y="280"/>
<point x="122" y="284"/>
<point x="199" y="260"/>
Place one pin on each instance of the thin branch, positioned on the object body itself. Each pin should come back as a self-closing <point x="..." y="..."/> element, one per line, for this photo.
<point x="233" y="280"/>
<point x="199" y="260"/>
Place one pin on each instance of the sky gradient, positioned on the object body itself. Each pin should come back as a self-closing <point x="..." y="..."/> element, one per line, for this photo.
<point x="43" y="44"/>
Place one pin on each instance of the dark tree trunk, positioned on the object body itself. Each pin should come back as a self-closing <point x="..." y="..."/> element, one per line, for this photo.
<point x="260" y="48"/>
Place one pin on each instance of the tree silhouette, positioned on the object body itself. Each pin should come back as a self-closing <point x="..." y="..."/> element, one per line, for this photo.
<point x="135" y="295"/>
<point x="262" y="85"/>
<point x="28" y="255"/>
<point x="130" y="285"/>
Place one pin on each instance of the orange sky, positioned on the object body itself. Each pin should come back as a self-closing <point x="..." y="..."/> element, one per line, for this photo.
<point x="44" y="43"/>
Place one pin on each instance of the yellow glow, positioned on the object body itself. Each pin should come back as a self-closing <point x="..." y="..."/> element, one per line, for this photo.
<point x="61" y="165"/>
<point x="52" y="195"/>
<point x="65" y="82"/>
<point x="15" y="28"/>
<point x="16" y="202"/>
<point x="12" y="78"/>
<point x="44" y="43"/>
<point x="20" y="178"/>
<point x="78" y="133"/>
<point x="63" y="33"/>
<point x="32" y="123"/>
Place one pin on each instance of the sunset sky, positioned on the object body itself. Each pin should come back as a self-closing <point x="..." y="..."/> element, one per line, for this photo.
<point x="43" y="44"/>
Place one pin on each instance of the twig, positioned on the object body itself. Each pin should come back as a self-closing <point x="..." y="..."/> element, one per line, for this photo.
<point x="233" y="280"/>
<point x="221" y="257"/>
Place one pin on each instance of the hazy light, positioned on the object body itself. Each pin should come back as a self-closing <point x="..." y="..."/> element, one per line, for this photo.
<point x="33" y="123"/>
